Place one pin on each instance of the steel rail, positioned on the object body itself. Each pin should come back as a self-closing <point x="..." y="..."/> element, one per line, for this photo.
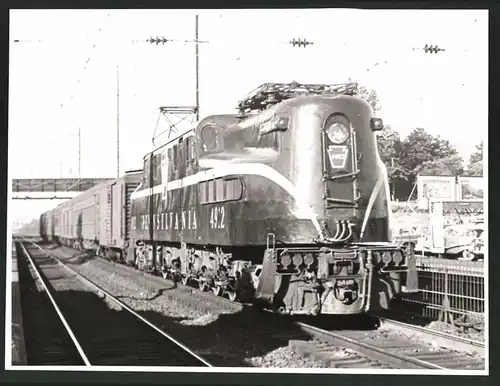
<point x="387" y="357"/>
<point x="102" y="291"/>
<point x="464" y="343"/>
<point x="59" y="313"/>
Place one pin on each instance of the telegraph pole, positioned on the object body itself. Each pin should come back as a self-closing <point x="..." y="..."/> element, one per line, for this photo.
<point x="117" y="121"/>
<point x="197" y="71"/>
<point x="79" y="153"/>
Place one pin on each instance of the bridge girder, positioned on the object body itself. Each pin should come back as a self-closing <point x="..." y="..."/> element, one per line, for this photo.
<point x="49" y="186"/>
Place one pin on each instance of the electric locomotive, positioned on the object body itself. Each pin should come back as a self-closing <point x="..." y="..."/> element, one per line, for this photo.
<point x="284" y="204"/>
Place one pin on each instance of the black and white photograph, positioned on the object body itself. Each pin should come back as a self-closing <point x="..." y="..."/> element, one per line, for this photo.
<point x="297" y="191"/>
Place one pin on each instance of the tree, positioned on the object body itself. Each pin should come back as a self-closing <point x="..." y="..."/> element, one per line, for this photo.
<point x="475" y="167"/>
<point x="442" y="148"/>
<point x="447" y="166"/>
<point x="369" y="95"/>
<point x="390" y="149"/>
<point x="421" y="147"/>
<point x="424" y="153"/>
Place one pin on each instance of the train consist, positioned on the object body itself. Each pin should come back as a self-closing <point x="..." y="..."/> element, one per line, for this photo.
<point x="285" y="204"/>
<point x="97" y="219"/>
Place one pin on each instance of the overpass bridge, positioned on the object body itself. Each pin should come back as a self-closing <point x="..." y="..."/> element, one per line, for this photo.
<point x="52" y="188"/>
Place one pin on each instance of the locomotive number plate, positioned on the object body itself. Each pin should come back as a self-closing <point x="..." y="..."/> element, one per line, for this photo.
<point x="338" y="156"/>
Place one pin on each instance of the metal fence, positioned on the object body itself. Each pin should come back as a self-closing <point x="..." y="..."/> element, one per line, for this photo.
<point x="449" y="290"/>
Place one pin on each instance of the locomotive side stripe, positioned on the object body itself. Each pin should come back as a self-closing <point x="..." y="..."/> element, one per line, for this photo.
<point x="255" y="169"/>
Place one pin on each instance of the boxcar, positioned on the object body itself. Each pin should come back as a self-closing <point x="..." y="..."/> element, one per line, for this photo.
<point x="114" y="213"/>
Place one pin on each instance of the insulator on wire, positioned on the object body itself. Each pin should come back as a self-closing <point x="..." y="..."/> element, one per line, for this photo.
<point x="157" y="40"/>
<point x="430" y="49"/>
<point x="300" y="42"/>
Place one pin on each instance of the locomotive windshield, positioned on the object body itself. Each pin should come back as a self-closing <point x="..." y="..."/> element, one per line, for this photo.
<point x="209" y="138"/>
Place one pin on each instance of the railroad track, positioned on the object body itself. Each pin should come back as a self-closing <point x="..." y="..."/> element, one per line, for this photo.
<point x="384" y="348"/>
<point x="457" y="343"/>
<point x="350" y="348"/>
<point x="86" y="325"/>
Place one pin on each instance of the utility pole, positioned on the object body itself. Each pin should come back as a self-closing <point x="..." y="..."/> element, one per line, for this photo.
<point x="79" y="153"/>
<point x="163" y="40"/>
<point x="117" y="121"/>
<point x="197" y="71"/>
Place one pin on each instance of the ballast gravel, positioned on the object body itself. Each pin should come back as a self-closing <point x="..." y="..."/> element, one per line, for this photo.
<point x="475" y="332"/>
<point x="139" y="298"/>
<point x="283" y="357"/>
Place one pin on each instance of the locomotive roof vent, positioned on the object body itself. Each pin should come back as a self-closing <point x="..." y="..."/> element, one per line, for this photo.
<point x="270" y="94"/>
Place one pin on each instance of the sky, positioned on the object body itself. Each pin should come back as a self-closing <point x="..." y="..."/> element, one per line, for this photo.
<point x="63" y="76"/>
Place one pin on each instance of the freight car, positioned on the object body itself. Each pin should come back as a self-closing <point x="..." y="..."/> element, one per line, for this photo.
<point x="96" y="219"/>
<point x="285" y="204"/>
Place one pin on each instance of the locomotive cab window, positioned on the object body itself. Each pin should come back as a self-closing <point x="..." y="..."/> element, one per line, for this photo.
<point x="210" y="138"/>
<point x="268" y="141"/>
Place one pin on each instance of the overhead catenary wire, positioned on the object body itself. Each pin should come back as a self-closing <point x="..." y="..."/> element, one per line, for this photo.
<point x="302" y="43"/>
<point x="85" y="66"/>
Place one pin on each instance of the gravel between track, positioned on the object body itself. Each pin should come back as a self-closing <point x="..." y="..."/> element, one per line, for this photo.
<point x="223" y="338"/>
<point x="469" y="333"/>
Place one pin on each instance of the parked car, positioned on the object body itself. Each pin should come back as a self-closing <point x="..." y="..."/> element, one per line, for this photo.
<point x="409" y="235"/>
<point x="459" y="241"/>
<point x="475" y="250"/>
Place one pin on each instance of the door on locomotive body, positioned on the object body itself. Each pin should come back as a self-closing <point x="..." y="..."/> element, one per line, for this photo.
<point x="191" y="156"/>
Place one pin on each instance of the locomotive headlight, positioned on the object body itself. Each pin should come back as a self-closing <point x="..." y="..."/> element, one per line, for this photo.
<point x="337" y="133"/>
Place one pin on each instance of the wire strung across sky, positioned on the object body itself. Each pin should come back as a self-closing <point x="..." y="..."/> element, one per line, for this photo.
<point x="85" y="66"/>
<point x="303" y="44"/>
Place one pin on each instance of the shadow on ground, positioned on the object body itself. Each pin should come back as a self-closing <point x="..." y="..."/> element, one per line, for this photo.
<point x="228" y="340"/>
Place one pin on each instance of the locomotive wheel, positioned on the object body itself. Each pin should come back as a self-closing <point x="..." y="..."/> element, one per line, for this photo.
<point x="231" y="295"/>
<point x="202" y="285"/>
<point x="217" y="290"/>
